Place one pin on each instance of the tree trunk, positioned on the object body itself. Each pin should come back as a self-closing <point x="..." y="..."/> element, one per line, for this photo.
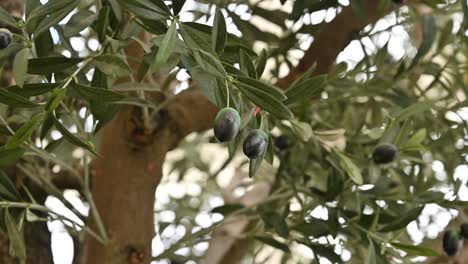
<point x="126" y="178"/>
<point x="124" y="190"/>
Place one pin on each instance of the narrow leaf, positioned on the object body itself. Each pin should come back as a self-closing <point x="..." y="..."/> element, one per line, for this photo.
<point x="415" y="250"/>
<point x="261" y="63"/>
<point x="177" y="6"/>
<point x="55" y="99"/>
<point x="412" y="110"/>
<point x="371" y="254"/>
<point x="166" y="48"/>
<point x="305" y="90"/>
<point x="274" y="220"/>
<point x="403" y="221"/>
<point x="102" y="23"/>
<point x="71" y="137"/>
<point x="194" y="38"/>
<point x="10" y="156"/>
<point x="50" y="7"/>
<point x="144" y="8"/>
<point x="246" y="64"/>
<point x="272" y="242"/>
<point x="429" y="34"/>
<point x="98" y="94"/>
<point x="227" y="209"/>
<point x="16" y="237"/>
<point x="79" y="21"/>
<point x="219" y="35"/>
<point x="53" y="19"/>
<point x="7" y="188"/>
<point x="33" y="89"/>
<point x="209" y="63"/>
<point x="44" y="66"/>
<point x="112" y="65"/>
<point x="314" y="228"/>
<point x="352" y="170"/>
<point x="273" y="90"/>
<point x="266" y="101"/>
<point x="24" y="132"/>
<point x="11" y="99"/>
<point x="20" y="66"/>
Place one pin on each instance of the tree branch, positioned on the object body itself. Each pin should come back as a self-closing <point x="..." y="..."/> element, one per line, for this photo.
<point x="331" y="40"/>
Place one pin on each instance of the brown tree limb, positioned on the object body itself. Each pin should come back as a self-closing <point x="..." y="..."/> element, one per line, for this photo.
<point x="332" y="39"/>
<point x="127" y="177"/>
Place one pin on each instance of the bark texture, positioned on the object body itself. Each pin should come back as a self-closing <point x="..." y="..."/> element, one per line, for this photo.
<point x="126" y="178"/>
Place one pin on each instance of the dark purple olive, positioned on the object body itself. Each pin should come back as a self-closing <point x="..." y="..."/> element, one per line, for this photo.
<point x="384" y="153"/>
<point x="227" y="124"/>
<point x="450" y="242"/>
<point x="464" y="230"/>
<point x="255" y="144"/>
<point x="282" y="142"/>
<point x="5" y="38"/>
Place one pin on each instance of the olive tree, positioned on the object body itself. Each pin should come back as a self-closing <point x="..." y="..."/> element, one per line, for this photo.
<point x="258" y="82"/>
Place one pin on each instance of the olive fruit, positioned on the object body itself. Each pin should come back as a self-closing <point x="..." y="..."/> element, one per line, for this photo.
<point x="255" y="143"/>
<point x="226" y="124"/>
<point x="464" y="230"/>
<point x="5" y="38"/>
<point x="450" y="242"/>
<point x="384" y="153"/>
<point x="282" y="142"/>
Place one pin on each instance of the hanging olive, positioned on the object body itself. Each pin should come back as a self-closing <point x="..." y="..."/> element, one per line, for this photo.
<point x="384" y="153"/>
<point x="464" y="230"/>
<point x="5" y="38"/>
<point x="226" y="124"/>
<point x="255" y="143"/>
<point x="450" y="242"/>
<point x="282" y="142"/>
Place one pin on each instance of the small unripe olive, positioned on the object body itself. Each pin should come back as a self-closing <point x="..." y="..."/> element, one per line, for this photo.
<point x="5" y="38"/>
<point x="226" y="124"/>
<point x="450" y="242"/>
<point x="255" y="143"/>
<point x="282" y="142"/>
<point x="384" y="153"/>
<point x="464" y="230"/>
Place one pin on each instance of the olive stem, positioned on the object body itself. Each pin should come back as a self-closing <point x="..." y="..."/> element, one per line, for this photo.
<point x="41" y="208"/>
<point x="227" y="93"/>
<point x="261" y="121"/>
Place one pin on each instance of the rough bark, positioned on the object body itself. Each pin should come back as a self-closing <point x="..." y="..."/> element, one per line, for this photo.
<point x="126" y="178"/>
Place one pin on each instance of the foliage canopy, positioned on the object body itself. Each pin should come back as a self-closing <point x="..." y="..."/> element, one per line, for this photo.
<point x="414" y="99"/>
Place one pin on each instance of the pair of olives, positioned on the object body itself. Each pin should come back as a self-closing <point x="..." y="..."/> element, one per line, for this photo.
<point x="226" y="127"/>
<point x="5" y="38"/>
<point x="452" y="238"/>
